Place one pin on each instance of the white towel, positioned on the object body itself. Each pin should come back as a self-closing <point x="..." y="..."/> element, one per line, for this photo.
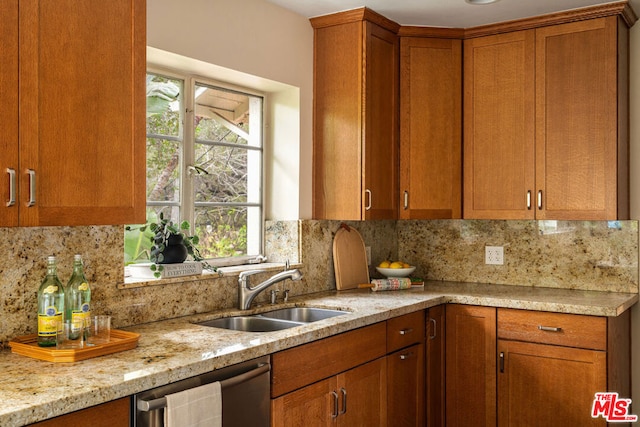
<point x="195" y="407"/>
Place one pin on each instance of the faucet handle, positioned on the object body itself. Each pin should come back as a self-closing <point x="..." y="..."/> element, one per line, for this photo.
<point x="274" y="296"/>
<point x="243" y="276"/>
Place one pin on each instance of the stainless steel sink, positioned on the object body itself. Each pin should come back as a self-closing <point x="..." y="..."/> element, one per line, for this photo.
<point x="250" y="323"/>
<point x="303" y="314"/>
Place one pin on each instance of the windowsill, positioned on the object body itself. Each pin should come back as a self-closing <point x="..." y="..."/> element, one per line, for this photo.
<point x="223" y="272"/>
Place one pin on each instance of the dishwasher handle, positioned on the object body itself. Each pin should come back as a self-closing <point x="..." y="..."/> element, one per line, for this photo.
<point x="150" y="405"/>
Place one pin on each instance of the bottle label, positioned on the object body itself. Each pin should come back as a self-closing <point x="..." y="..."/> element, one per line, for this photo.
<point x="49" y="323"/>
<point x="83" y="314"/>
<point x="50" y="289"/>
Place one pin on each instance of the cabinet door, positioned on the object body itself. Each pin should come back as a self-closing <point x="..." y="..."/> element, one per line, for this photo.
<point x="430" y="128"/>
<point x="499" y="129"/>
<point x="111" y="414"/>
<point x="82" y="112"/>
<point x="310" y="406"/>
<point x="544" y="385"/>
<point x="405" y="387"/>
<point x="380" y="134"/>
<point x="363" y="399"/>
<point x="576" y="108"/>
<point x="337" y="122"/>
<point x="435" y="375"/>
<point x="9" y="168"/>
<point x="471" y="366"/>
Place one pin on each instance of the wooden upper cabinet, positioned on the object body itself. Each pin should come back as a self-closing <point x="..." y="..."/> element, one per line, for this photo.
<point x="581" y="159"/>
<point x="81" y="101"/>
<point x="499" y="126"/>
<point x="430" y="128"/>
<point x="546" y="123"/>
<point x="355" y="149"/>
<point x="9" y="113"/>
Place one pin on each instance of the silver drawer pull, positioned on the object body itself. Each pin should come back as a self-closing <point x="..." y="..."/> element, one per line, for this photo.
<point x="406" y="356"/>
<point x="12" y="187"/>
<point x="549" y="328"/>
<point x="406" y="331"/>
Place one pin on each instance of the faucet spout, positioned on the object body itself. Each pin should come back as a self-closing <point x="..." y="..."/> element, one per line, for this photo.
<point x="246" y="293"/>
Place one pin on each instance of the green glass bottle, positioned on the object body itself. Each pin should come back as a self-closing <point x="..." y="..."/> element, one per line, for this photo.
<point x="78" y="294"/>
<point x="50" y="306"/>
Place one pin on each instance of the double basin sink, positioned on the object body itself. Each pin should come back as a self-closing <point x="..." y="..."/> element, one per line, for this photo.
<point x="275" y="320"/>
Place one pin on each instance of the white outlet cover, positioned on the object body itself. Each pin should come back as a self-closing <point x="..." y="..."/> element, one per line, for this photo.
<point x="494" y="255"/>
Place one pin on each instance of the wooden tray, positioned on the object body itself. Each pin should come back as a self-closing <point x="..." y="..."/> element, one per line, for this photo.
<point x="27" y="346"/>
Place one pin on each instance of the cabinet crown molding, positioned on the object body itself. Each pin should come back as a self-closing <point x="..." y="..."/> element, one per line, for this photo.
<point x="620" y="8"/>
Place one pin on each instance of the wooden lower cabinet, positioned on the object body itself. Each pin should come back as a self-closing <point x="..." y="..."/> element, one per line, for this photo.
<point x="111" y="414"/>
<point x="353" y="398"/>
<point x="434" y="362"/>
<point x="470" y="366"/>
<point x="546" y="385"/>
<point x="405" y="386"/>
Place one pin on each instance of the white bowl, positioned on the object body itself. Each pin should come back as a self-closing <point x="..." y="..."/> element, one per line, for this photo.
<point x="396" y="272"/>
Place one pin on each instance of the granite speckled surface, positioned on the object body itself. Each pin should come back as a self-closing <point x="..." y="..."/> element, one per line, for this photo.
<point x="174" y="349"/>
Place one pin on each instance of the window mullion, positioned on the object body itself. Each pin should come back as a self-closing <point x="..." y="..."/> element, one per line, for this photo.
<point x="188" y="153"/>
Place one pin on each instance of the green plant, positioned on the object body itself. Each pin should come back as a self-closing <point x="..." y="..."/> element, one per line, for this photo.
<point x="163" y="230"/>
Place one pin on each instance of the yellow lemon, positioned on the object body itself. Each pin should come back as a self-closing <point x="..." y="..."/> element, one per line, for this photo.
<point x="396" y="264"/>
<point x="384" y="264"/>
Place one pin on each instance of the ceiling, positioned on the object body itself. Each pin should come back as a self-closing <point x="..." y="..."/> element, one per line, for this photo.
<point x="442" y="13"/>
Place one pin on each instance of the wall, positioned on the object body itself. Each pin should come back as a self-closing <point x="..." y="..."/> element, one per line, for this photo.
<point x="256" y="44"/>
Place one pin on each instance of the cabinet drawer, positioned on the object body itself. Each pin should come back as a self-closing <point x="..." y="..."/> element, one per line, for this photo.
<point x="405" y="330"/>
<point x="570" y="330"/>
<point x="299" y="366"/>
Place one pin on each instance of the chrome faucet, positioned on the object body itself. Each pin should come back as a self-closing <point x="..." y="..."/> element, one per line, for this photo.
<point x="246" y="293"/>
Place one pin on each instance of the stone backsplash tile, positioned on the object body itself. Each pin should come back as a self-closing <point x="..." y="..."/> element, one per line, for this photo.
<point x="587" y="255"/>
<point x="574" y="255"/>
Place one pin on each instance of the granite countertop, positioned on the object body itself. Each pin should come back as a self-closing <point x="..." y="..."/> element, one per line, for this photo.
<point x="171" y="350"/>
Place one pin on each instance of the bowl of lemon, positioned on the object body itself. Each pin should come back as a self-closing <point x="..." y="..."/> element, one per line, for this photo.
<point x="395" y="269"/>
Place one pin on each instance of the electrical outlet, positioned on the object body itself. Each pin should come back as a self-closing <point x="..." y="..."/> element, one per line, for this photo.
<point x="368" y="251"/>
<point x="494" y="255"/>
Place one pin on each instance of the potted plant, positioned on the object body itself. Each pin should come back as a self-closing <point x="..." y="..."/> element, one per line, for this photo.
<point x="170" y="244"/>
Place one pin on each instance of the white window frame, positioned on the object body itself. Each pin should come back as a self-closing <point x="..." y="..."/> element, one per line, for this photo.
<point x="187" y="205"/>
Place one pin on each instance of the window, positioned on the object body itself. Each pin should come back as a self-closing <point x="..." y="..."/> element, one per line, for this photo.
<point x="204" y="165"/>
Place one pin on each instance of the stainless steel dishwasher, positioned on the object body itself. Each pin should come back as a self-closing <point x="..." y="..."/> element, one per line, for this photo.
<point x="245" y="395"/>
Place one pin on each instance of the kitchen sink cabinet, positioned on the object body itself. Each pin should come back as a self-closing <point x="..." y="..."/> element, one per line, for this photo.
<point x="470" y="365"/>
<point x="435" y="366"/>
<point x="372" y="376"/>
<point x="341" y="379"/>
<point x="110" y="414"/>
<point x="558" y="362"/>
<point x="353" y="398"/>
<point x="355" y="110"/>
<point x="546" y="123"/>
<point x="430" y="128"/>
<point x="73" y="112"/>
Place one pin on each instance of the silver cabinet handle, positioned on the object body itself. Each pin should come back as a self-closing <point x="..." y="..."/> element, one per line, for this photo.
<point x="12" y="187"/>
<point x="549" y="328"/>
<point x="368" y="193"/>
<point x="435" y="331"/>
<point x="529" y="200"/>
<point x="335" y="405"/>
<point x="344" y="401"/>
<point x="406" y="200"/>
<point x="501" y="361"/>
<point x="32" y="187"/>
<point x="539" y="199"/>
<point x="406" y="331"/>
